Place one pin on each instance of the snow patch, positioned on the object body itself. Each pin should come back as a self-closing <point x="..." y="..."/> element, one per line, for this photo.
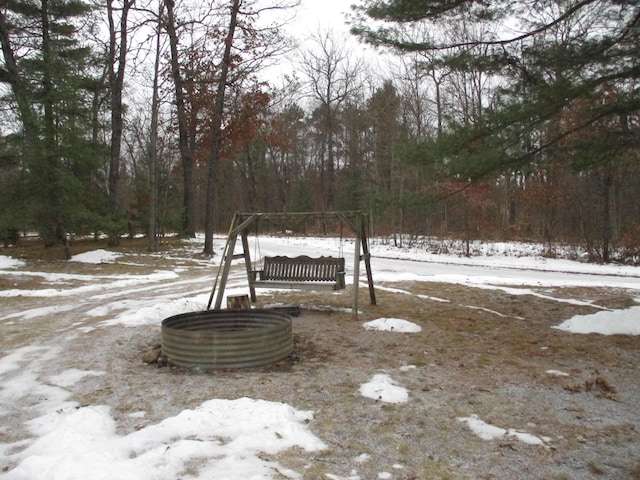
<point x="622" y="322"/>
<point x="487" y="431"/>
<point x="96" y="256"/>
<point x="392" y="325"/>
<point x="10" y="262"/>
<point x="382" y="387"/>
<point x="223" y="438"/>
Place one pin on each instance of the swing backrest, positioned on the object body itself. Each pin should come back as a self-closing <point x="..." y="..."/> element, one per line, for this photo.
<point x="302" y="269"/>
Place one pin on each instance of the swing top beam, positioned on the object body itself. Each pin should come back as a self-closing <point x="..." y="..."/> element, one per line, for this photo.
<point x="241" y="224"/>
<point x="246" y="220"/>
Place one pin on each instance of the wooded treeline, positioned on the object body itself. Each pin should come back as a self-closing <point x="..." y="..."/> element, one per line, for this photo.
<point x="501" y="121"/>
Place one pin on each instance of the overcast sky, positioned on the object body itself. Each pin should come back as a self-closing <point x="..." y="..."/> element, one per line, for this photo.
<point x="320" y="16"/>
<point x="321" y="13"/>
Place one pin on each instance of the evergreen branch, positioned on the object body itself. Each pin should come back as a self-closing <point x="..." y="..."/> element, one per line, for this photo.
<point x="383" y="36"/>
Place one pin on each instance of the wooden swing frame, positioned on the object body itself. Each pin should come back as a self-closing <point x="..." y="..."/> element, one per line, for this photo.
<point x="241" y="225"/>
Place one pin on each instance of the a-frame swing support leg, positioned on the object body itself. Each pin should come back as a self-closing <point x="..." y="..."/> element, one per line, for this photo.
<point x="247" y="263"/>
<point x="356" y="275"/>
<point x="359" y="229"/>
<point x="242" y="230"/>
<point x="366" y="255"/>
<point x="225" y="270"/>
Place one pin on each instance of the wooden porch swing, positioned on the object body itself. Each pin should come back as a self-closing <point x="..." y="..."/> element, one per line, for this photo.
<point x="301" y="272"/>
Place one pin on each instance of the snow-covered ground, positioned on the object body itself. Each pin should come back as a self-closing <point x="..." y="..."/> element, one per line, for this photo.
<point x="223" y="439"/>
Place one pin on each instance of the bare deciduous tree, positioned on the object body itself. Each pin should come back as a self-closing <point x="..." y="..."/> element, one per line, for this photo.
<point x="117" y="59"/>
<point x="333" y="76"/>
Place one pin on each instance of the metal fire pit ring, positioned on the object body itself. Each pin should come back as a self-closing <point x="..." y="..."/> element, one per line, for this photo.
<point x="226" y="338"/>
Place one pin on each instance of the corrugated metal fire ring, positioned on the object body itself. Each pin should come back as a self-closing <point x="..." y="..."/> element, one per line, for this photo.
<point x="227" y="338"/>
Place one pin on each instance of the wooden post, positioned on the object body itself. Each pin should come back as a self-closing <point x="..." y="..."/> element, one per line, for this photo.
<point x="356" y="273"/>
<point x="366" y="255"/>
<point x="238" y="302"/>
<point x="247" y="263"/>
<point x="225" y="271"/>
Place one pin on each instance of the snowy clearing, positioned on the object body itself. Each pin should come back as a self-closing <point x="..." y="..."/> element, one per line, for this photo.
<point x="226" y="438"/>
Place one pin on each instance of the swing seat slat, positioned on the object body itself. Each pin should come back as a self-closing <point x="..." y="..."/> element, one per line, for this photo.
<point x="313" y="273"/>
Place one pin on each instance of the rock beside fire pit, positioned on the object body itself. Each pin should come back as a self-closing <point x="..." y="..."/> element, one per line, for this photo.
<point x="152" y="356"/>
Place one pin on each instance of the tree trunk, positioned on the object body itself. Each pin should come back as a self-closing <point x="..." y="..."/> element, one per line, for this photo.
<point x="117" y="64"/>
<point x="52" y="164"/>
<point x="188" y="201"/>
<point x="331" y="161"/>
<point x="216" y="128"/>
<point x="153" y="151"/>
<point x="252" y="191"/>
<point x="606" y="214"/>
<point x="13" y="77"/>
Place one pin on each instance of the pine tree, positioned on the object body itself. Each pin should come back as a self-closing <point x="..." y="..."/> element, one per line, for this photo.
<point x="564" y="55"/>
<point x="564" y="96"/>
<point x="47" y="69"/>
